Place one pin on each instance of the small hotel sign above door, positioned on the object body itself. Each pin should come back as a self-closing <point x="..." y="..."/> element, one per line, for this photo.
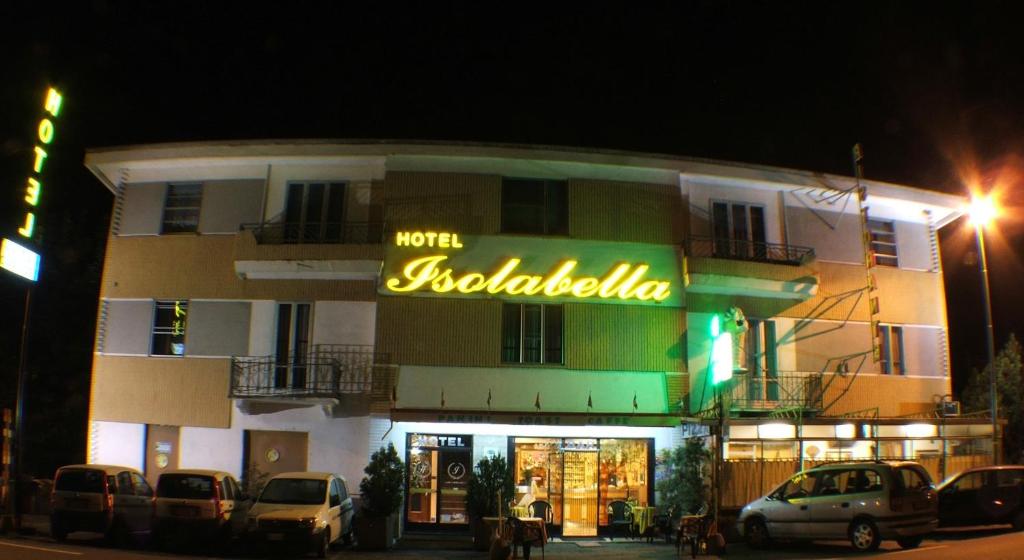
<point x="447" y="264"/>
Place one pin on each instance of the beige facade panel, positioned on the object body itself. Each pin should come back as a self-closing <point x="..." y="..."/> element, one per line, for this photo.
<point x="893" y="395"/>
<point x="458" y="202"/>
<point x="841" y="295"/>
<point x="202" y="267"/>
<point x="624" y="337"/>
<point x="834" y="236"/>
<point x="615" y="211"/>
<point x="168" y="391"/>
<point x="910" y="297"/>
<point x="439" y="332"/>
<point x="819" y="344"/>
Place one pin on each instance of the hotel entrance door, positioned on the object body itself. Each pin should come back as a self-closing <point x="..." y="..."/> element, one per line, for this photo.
<point x="579" y="513"/>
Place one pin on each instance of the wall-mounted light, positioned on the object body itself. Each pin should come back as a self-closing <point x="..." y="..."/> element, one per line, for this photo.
<point x="776" y="431"/>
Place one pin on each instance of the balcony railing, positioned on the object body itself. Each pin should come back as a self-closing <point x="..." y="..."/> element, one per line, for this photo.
<point x="768" y="392"/>
<point x="328" y="371"/>
<point x="287" y="233"/>
<point x="724" y="248"/>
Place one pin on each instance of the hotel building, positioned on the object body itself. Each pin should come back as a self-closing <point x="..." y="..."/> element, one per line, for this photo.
<point x="288" y="305"/>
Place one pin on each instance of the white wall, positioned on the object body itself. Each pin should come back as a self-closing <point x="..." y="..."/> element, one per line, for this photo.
<point x="336" y="445"/>
<point x="262" y="326"/>
<point x="117" y="443"/>
<point x="344" y="322"/>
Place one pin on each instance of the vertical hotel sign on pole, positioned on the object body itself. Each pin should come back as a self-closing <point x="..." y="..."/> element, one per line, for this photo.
<point x="15" y="256"/>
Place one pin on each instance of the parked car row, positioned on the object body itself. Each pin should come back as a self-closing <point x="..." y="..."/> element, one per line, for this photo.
<point x="869" y="501"/>
<point x="298" y="509"/>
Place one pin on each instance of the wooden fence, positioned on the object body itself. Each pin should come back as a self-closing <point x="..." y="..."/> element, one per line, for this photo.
<point x="747" y="480"/>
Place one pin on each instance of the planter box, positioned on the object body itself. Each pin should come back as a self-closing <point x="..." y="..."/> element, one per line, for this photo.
<point x="376" y="533"/>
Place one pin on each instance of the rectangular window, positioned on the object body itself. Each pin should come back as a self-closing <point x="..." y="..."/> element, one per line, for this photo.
<point x="538" y="206"/>
<point x="761" y="359"/>
<point x="890" y="339"/>
<point x="169" y="321"/>
<point x="883" y="242"/>
<point x="531" y="333"/>
<point x="315" y="213"/>
<point x="738" y="231"/>
<point x="181" y="208"/>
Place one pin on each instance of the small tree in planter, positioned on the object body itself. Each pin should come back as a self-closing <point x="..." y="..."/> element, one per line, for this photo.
<point x="381" y="490"/>
<point x="491" y="475"/>
<point x="685" y="487"/>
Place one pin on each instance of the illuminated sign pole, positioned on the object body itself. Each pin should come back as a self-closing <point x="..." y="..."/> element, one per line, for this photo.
<point x="24" y="262"/>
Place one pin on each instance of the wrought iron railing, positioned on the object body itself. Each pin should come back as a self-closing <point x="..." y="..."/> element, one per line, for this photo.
<point x="327" y="371"/>
<point x="285" y="233"/>
<point x="767" y="392"/>
<point x="725" y="248"/>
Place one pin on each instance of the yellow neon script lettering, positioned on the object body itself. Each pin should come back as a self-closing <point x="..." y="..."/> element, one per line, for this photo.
<point x="45" y="131"/>
<point x="32" y="191"/>
<point x="30" y="225"/>
<point x="40" y="158"/>
<point x="53" y="101"/>
<point x="625" y="281"/>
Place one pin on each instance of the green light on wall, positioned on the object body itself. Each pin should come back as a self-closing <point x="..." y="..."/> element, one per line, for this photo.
<point x="721" y="352"/>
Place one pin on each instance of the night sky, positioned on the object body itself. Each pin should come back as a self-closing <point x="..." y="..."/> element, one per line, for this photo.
<point x="933" y="94"/>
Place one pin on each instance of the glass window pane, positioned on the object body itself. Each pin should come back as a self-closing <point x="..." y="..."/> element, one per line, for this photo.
<point x="181" y="208"/>
<point x="169" y="323"/>
<point x="557" y="208"/>
<point x="522" y="206"/>
<point x="510" y="332"/>
<point x="553" y="334"/>
<point x="720" y="228"/>
<point x="532" y="321"/>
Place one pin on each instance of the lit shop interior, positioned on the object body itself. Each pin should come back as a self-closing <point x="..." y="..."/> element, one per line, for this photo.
<point x="577" y="477"/>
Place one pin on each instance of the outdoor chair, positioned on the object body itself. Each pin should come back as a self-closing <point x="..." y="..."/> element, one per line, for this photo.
<point x="620" y="517"/>
<point x="543" y="510"/>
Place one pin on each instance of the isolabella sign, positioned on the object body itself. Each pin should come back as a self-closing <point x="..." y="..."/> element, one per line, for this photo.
<point x="438" y="264"/>
<point x="13" y="256"/>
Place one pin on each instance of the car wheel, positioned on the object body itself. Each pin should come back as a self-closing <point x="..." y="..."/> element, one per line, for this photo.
<point x="58" y="531"/>
<point x="756" y="533"/>
<point x="1018" y="521"/>
<point x="864" y="535"/>
<point x="910" y="542"/>
<point x="325" y="543"/>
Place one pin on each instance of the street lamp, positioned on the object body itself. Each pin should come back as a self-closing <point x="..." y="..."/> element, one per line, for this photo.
<point x="981" y="212"/>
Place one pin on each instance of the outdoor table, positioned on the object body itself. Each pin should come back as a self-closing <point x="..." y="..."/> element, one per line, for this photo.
<point x="519" y="511"/>
<point x="643" y="517"/>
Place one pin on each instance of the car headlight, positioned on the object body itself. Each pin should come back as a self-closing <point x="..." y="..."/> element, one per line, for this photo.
<point x="307" y="522"/>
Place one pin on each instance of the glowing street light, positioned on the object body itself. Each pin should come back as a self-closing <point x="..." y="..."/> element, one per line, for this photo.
<point x="981" y="212"/>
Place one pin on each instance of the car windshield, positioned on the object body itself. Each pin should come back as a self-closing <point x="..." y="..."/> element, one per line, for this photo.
<point x="185" y="486"/>
<point x="80" y="480"/>
<point x="294" y="491"/>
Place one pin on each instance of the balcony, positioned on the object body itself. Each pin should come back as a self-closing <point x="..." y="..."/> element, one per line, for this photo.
<point x="329" y="374"/>
<point x="795" y="391"/>
<point x="319" y="251"/>
<point x="323" y="233"/>
<point x="719" y="266"/>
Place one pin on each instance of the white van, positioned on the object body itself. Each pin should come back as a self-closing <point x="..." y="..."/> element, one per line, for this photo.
<point x="305" y="509"/>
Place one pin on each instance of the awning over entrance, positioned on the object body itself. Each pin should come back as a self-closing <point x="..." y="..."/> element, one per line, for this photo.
<point x="531" y="396"/>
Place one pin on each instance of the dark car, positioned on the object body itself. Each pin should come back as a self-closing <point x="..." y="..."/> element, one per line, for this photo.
<point x="983" y="496"/>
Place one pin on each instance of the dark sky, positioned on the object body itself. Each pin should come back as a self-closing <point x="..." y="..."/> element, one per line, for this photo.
<point x="933" y="93"/>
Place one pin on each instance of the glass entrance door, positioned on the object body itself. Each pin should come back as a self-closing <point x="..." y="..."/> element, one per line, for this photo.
<point x="579" y="498"/>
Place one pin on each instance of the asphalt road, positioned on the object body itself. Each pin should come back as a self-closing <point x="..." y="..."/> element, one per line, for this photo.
<point x="982" y="544"/>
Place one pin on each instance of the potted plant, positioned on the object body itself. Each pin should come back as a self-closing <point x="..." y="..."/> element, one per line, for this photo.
<point x="491" y="476"/>
<point x="376" y="524"/>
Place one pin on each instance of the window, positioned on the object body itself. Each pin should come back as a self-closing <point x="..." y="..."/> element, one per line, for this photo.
<point x="335" y="495"/>
<point x="800" y="486"/>
<point x="535" y="206"/>
<point x="124" y="484"/>
<point x="890" y="340"/>
<point x="315" y="213"/>
<point x="762" y="360"/>
<point x="181" y="209"/>
<point x="169" y="323"/>
<point x="1010" y="478"/>
<point x="883" y="242"/>
<point x="970" y="481"/>
<point x="142" y="488"/>
<point x="738" y="231"/>
<point x="912" y="479"/>
<point x="531" y="333"/>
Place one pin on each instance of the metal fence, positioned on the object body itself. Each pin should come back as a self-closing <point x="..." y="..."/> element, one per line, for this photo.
<point x="284" y="233"/>
<point x="327" y="371"/>
<point x="772" y="390"/>
<point x="726" y="248"/>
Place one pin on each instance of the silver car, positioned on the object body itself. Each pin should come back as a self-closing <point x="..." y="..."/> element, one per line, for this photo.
<point x="864" y="502"/>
